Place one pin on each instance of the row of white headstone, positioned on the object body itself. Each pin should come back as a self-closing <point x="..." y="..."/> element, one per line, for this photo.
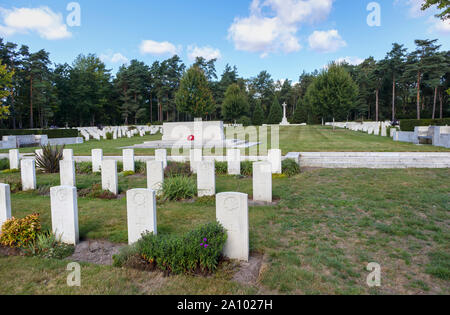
<point x="205" y="170"/>
<point x="231" y="212"/>
<point x="379" y="128"/>
<point x="117" y="132"/>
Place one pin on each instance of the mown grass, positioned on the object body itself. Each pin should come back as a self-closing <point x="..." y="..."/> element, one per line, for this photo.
<point x="327" y="227"/>
<point x="291" y="139"/>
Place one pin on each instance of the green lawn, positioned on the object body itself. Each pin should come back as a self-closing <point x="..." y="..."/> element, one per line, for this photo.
<point x="327" y="227"/>
<point x="292" y="139"/>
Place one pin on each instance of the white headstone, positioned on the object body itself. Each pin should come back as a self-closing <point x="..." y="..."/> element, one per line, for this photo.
<point x="97" y="158"/>
<point x="14" y="158"/>
<point x="110" y="181"/>
<point x="5" y="204"/>
<point x="161" y="155"/>
<point x="206" y="178"/>
<point x="64" y="208"/>
<point x="128" y="160"/>
<point x="141" y="213"/>
<point x="232" y="213"/>
<point x="262" y="181"/>
<point x="195" y="157"/>
<point x="274" y="157"/>
<point x="234" y="161"/>
<point x="67" y="172"/>
<point x="155" y="175"/>
<point x="68" y="154"/>
<point x="28" y="174"/>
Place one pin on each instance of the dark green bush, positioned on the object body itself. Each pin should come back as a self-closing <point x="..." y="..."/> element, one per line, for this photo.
<point x="179" y="188"/>
<point x="177" y="169"/>
<point x="109" y="136"/>
<point x="96" y="191"/>
<point x="245" y="121"/>
<point x="4" y="164"/>
<point x="290" y="167"/>
<point x="49" y="160"/>
<point x="185" y="254"/>
<point x="83" y="168"/>
<point x="221" y="168"/>
<point x="140" y="167"/>
<point x="410" y="124"/>
<point x="51" y="133"/>
<point x="247" y="168"/>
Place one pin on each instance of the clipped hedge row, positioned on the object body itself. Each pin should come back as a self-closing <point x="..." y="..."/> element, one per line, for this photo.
<point x="410" y="124"/>
<point x="51" y="133"/>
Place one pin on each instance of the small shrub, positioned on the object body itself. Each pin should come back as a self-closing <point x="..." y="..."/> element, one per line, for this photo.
<point x="120" y="259"/>
<point x="221" y="168"/>
<point x="96" y="191"/>
<point x="109" y="136"/>
<point x="127" y="173"/>
<point x="8" y="171"/>
<point x="179" y="188"/>
<point x="140" y="167"/>
<point x="197" y="250"/>
<point x="49" y="160"/>
<point x="4" y="164"/>
<point x="15" y="184"/>
<point x="83" y="168"/>
<point x="174" y="169"/>
<point x="20" y="232"/>
<point x="47" y="246"/>
<point x="290" y="167"/>
<point x="279" y="176"/>
<point x="247" y="168"/>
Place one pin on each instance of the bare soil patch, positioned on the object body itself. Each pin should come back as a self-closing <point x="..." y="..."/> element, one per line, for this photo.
<point x="95" y="251"/>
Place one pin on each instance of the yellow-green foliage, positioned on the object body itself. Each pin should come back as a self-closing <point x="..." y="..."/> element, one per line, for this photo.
<point x="20" y="232"/>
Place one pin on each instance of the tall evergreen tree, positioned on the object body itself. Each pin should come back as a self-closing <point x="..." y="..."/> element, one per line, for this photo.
<point x="276" y="113"/>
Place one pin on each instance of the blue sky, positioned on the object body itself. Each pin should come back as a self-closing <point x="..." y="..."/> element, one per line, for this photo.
<point x="283" y="37"/>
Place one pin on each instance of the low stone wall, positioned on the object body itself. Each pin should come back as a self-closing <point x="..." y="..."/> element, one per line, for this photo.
<point x="65" y="141"/>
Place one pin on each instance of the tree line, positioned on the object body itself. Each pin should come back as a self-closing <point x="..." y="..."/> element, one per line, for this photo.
<point x="34" y="92"/>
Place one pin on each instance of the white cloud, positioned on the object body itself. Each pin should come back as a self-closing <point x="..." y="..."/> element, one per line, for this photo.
<point x="326" y="41"/>
<point x="439" y="26"/>
<point x="157" y="48"/>
<point x="273" y="24"/>
<point x="114" y="58"/>
<point x="206" y="52"/>
<point x="354" y="61"/>
<point x="414" y="7"/>
<point x="43" y="20"/>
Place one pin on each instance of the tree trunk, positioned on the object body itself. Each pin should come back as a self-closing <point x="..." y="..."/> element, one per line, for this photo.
<point x="440" y="103"/>
<point x="393" y="98"/>
<point x="13" y="110"/>
<point x="151" y="109"/>
<point x="418" y="95"/>
<point x="31" y="102"/>
<point x="434" y="102"/>
<point x="376" y="104"/>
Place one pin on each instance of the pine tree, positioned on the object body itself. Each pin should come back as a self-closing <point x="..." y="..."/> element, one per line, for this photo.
<point x="258" y="114"/>
<point x="300" y="114"/>
<point x="276" y="113"/>
<point x="235" y="104"/>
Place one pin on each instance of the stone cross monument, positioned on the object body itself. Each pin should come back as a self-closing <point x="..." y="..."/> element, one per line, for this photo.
<point x="284" y="122"/>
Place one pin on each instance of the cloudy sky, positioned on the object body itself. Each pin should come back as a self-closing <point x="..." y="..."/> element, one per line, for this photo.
<point x="284" y="37"/>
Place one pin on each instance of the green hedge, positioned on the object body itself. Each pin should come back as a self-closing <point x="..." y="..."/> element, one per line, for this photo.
<point x="410" y="124"/>
<point x="51" y="133"/>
